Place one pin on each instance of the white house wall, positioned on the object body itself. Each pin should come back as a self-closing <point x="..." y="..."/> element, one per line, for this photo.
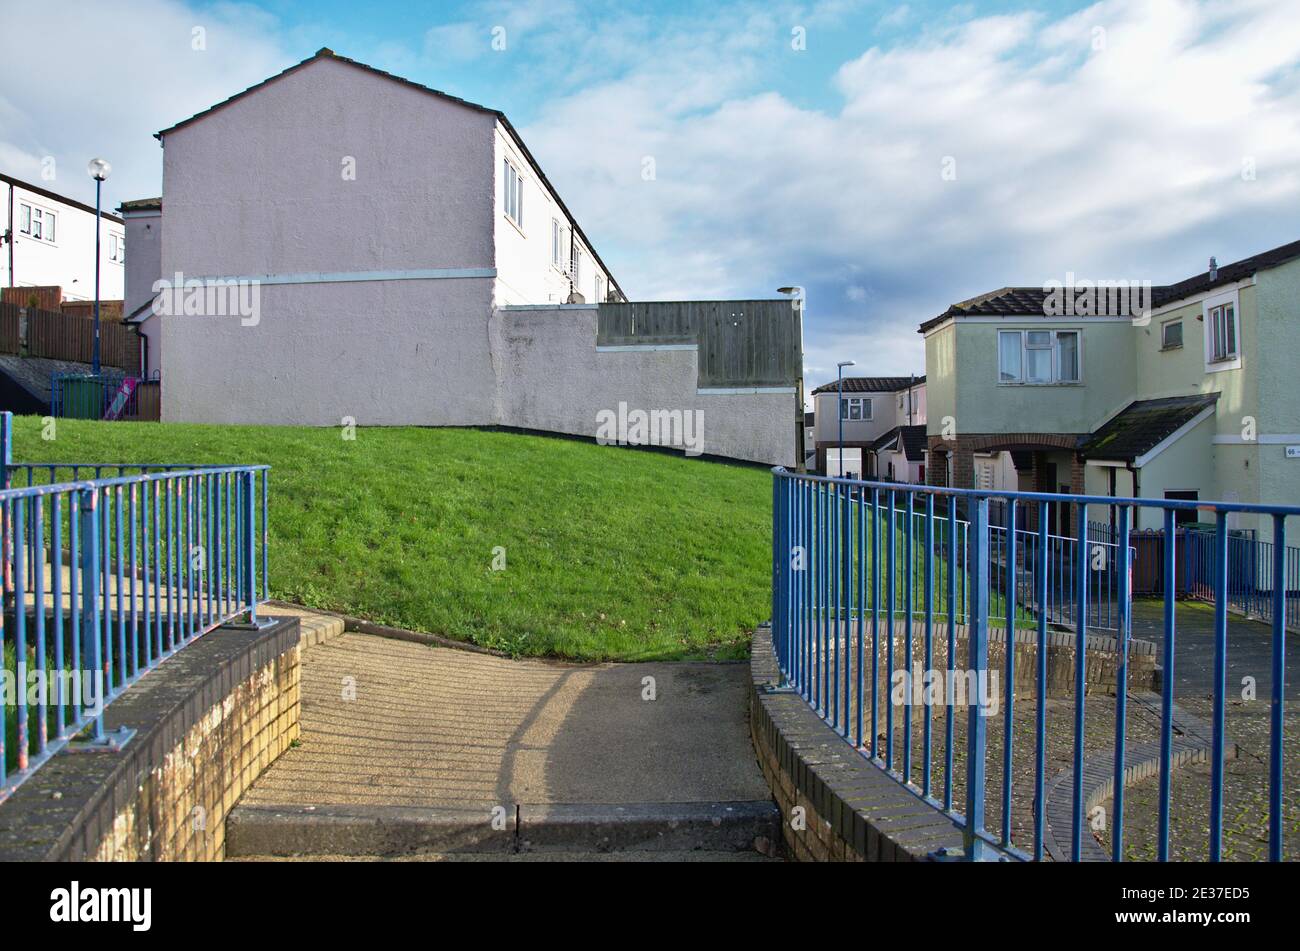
<point x="525" y="272"/>
<point x="68" y="261"/>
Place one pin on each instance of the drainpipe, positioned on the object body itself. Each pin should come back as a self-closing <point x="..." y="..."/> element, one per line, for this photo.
<point x="9" y="234"/>
<point x="1137" y="492"/>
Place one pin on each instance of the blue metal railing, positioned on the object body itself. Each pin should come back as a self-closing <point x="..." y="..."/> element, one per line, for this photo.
<point x="838" y="565"/>
<point x="108" y="570"/>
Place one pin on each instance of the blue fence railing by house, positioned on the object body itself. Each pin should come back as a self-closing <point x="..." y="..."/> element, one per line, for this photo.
<point x="107" y="571"/>
<point x="1022" y="564"/>
<point x="863" y="594"/>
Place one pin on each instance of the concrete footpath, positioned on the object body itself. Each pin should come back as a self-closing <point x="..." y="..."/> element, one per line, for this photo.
<point x="401" y="740"/>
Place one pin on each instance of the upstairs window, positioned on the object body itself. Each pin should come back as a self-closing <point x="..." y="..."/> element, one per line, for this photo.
<point x="557" y="243"/>
<point x="1223" y="333"/>
<point x="1038" y="357"/>
<point x="600" y="289"/>
<point x="577" y="265"/>
<point x="855" y="407"/>
<point x="514" y="193"/>
<point x="25" y="219"/>
<point x="117" y="248"/>
<point x="1171" y="334"/>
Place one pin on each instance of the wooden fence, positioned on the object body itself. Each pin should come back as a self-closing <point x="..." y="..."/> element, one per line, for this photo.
<point x="741" y="343"/>
<point x="59" y="336"/>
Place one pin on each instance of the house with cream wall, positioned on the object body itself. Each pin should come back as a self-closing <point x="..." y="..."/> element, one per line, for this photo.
<point x="1191" y="398"/>
<point x="49" y="240"/>
<point x="882" y="417"/>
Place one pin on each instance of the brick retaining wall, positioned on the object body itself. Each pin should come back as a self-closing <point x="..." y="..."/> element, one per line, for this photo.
<point x="209" y="719"/>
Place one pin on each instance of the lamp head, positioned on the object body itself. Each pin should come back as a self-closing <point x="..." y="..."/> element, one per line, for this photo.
<point x="98" y="169"/>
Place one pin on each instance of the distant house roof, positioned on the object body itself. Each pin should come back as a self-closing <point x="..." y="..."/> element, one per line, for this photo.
<point x="55" y="196"/>
<point x="913" y="440"/>
<point x="1029" y="301"/>
<point x="1142" y="426"/>
<point x="141" y="204"/>
<point x="327" y="53"/>
<point x="872" y="384"/>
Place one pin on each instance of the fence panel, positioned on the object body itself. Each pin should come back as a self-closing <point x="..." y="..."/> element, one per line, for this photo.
<point x="11" y="340"/>
<point x="101" y="584"/>
<point x="869" y="628"/>
<point x="59" y="336"/>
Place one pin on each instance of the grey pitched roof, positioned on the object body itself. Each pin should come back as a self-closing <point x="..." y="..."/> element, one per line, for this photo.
<point x="913" y="438"/>
<point x="872" y="384"/>
<point x="1142" y="426"/>
<point x="1029" y="301"/>
<point x="327" y="53"/>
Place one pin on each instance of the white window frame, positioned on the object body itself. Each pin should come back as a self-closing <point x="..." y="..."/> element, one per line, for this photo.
<point x="557" y="244"/>
<point x="24" y="209"/>
<point x="1211" y="308"/>
<point x="600" y="288"/>
<point x="117" y="247"/>
<point x="512" y="183"/>
<point x="1164" y="333"/>
<point x="1052" y="346"/>
<point x="860" y="403"/>
<point x="577" y="265"/>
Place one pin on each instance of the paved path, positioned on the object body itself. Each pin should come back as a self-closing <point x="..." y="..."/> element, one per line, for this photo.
<point x="388" y="722"/>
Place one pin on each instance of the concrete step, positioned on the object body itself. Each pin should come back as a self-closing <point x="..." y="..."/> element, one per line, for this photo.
<point x="354" y="831"/>
<point x="660" y="856"/>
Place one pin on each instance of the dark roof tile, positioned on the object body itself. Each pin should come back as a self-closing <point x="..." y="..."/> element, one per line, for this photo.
<point x="1142" y="426"/>
<point x="872" y="384"/>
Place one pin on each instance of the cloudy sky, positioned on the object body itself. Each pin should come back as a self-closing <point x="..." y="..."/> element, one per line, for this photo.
<point x="893" y="158"/>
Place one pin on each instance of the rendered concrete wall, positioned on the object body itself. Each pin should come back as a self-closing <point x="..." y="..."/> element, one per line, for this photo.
<point x="143" y="268"/>
<point x="262" y="187"/>
<point x="551" y="377"/>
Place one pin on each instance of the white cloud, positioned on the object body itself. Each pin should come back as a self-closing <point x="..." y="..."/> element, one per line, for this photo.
<point x="118" y="74"/>
<point x="1120" y="161"/>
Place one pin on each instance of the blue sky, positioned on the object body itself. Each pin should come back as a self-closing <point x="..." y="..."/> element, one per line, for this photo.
<point x="907" y="156"/>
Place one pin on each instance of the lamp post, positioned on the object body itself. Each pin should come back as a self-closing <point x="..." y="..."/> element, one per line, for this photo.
<point x="796" y="293"/>
<point x="839" y="410"/>
<point x="98" y="169"/>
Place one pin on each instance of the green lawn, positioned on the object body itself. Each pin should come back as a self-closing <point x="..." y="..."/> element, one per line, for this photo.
<point x="611" y="553"/>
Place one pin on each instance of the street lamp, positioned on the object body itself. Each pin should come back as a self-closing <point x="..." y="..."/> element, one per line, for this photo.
<point x="839" y="410"/>
<point x="98" y="169"/>
<point x="796" y="292"/>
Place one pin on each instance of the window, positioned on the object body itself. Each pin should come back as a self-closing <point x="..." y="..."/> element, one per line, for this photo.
<point x="1223" y="333"/>
<point x="1038" y="357"/>
<point x="1183" y="516"/>
<point x="855" y="407"/>
<point x="49" y="225"/>
<point x="577" y="265"/>
<point x="1009" y="356"/>
<point x="1171" y="334"/>
<point x="25" y="219"/>
<point x="557" y="242"/>
<point x="514" y="196"/>
<point x="117" y="248"/>
<point x="600" y="288"/>
<point x="37" y="223"/>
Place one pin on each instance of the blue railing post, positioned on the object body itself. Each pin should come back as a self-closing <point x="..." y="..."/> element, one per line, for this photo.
<point x="250" y="547"/>
<point x="1121" y="688"/>
<point x="1276" y="709"/>
<point x="977" y="633"/>
<point x="92" y="643"/>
